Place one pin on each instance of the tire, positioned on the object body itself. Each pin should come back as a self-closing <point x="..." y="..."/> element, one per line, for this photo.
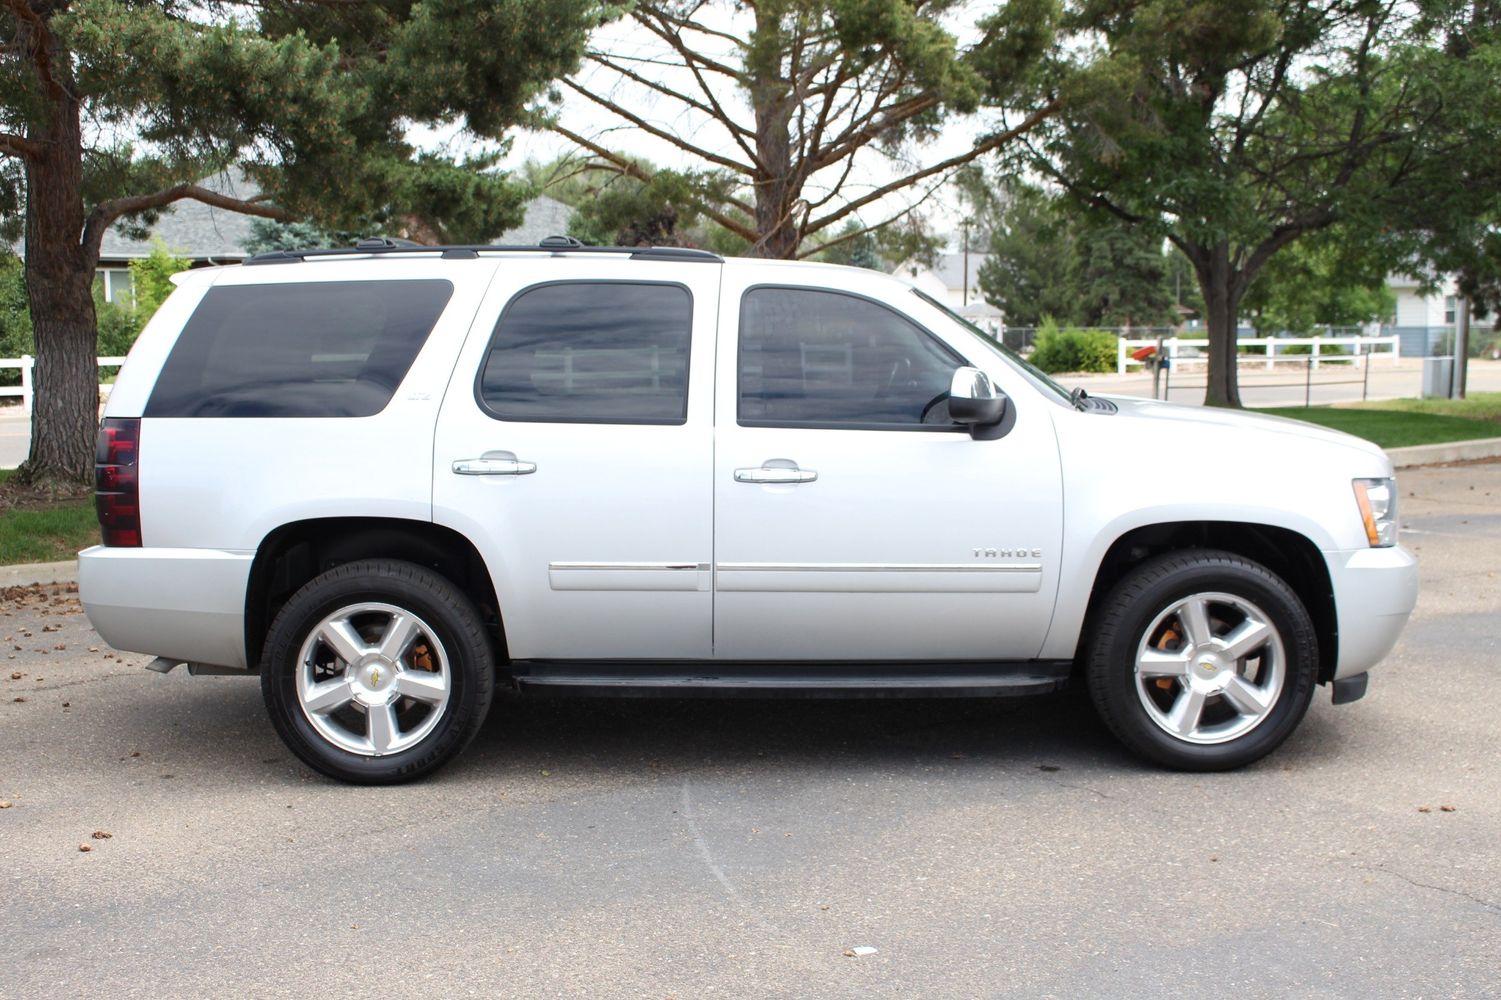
<point x="377" y="672"/>
<point x="1202" y="660"/>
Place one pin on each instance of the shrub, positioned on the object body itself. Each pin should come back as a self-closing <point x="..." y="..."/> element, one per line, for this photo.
<point x="1074" y="350"/>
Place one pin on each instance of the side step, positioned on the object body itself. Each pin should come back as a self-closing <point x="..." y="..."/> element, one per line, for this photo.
<point x="698" y="679"/>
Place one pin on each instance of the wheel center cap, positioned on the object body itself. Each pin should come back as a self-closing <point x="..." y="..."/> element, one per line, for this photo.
<point x="1209" y="668"/>
<point x="374" y="680"/>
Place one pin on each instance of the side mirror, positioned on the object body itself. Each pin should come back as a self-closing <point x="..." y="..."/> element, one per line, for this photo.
<point x="974" y="400"/>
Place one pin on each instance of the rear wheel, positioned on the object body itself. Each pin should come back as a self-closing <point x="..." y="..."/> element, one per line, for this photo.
<point x="377" y="672"/>
<point x="1202" y="660"/>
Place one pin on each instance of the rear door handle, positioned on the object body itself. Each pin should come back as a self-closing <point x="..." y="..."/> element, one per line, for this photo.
<point x="775" y="474"/>
<point x="489" y="466"/>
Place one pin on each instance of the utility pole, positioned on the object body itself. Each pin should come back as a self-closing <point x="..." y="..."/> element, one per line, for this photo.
<point x="1461" y="346"/>
<point x="964" y="294"/>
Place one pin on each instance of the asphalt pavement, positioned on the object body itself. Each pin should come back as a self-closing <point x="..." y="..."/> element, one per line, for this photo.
<point x="742" y="849"/>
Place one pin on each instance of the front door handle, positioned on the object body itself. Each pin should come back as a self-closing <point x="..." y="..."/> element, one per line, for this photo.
<point x="775" y="474"/>
<point x="493" y="466"/>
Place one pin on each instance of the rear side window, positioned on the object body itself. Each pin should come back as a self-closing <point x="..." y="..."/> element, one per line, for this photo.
<point x="591" y="352"/>
<point x="315" y="349"/>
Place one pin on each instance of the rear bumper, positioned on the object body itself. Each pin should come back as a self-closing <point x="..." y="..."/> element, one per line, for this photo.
<point x="184" y="604"/>
<point x="1375" y="591"/>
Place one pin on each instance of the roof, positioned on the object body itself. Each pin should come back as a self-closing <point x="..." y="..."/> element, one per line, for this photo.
<point x="949" y="268"/>
<point x="192" y="229"/>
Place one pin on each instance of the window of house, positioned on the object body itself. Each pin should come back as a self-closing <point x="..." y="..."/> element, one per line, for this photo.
<point x="1451" y="309"/>
<point x="591" y="352"/>
<point x="810" y="357"/>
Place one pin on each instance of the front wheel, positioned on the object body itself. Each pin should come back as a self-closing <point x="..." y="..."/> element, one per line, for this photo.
<point x="1202" y="660"/>
<point x="377" y="672"/>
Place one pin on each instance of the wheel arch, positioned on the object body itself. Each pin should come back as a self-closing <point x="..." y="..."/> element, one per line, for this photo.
<point x="1292" y="556"/>
<point x="294" y="553"/>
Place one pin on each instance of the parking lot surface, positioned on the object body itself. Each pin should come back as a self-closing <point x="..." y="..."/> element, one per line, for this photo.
<point x="742" y="849"/>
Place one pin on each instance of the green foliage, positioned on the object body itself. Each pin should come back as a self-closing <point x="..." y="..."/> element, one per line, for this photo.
<point x="1320" y="280"/>
<point x="1046" y="259"/>
<point x="15" y="319"/>
<point x="1073" y="350"/>
<point x="152" y="278"/>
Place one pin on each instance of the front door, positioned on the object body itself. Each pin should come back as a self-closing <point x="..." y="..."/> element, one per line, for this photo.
<point x="853" y="519"/>
<point x="573" y="447"/>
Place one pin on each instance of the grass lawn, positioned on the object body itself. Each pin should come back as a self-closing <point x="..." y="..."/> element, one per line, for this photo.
<point x="1397" y="423"/>
<point x="45" y="534"/>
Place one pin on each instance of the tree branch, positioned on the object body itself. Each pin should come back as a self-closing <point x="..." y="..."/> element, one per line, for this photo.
<point x="870" y="229"/>
<point x="19" y="146"/>
<point x="980" y="149"/>
<point x="106" y="212"/>
<point x="635" y="170"/>
<point x="660" y="133"/>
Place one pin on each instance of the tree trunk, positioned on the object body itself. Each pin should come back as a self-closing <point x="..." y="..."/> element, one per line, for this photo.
<point x="59" y="283"/>
<point x="1222" y="287"/>
<point x="778" y="232"/>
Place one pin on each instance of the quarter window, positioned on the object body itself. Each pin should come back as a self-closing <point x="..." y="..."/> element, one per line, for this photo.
<point x="304" y="349"/>
<point x="817" y="358"/>
<point x="595" y="352"/>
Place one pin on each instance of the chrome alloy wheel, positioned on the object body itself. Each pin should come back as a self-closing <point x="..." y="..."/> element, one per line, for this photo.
<point x="373" y="679"/>
<point x="1210" y="668"/>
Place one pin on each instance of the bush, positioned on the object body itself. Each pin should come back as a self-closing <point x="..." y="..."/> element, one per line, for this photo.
<point x="1073" y="350"/>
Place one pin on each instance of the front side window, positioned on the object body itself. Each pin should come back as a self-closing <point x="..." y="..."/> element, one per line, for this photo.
<point x="810" y="357"/>
<point x="304" y="349"/>
<point x="591" y="352"/>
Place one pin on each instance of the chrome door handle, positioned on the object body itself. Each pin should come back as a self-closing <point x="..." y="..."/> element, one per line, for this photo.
<point x="771" y="474"/>
<point x="493" y="467"/>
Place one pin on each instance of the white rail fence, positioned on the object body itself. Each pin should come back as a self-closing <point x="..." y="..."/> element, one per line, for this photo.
<point x="27" y="389"/>
<point x="1351" y="350"/>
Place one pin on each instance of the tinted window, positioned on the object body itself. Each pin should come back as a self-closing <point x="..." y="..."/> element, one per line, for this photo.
<point x="319" y="349"/>
<point x="816" y="357"/>
<point x="603" y="352"/>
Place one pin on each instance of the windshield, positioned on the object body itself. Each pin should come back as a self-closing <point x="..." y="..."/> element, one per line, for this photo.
<point x="1034" y="374"/>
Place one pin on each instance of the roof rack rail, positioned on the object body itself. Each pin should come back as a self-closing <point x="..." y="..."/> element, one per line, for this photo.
<point x="381" y="245"/>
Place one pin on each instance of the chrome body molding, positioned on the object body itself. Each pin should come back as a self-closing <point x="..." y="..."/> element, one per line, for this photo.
<point x="628" y="576"/>
<point x="877" y="578"/>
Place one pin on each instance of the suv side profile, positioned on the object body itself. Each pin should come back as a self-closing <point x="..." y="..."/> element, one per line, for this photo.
<point x="391" y="479"/>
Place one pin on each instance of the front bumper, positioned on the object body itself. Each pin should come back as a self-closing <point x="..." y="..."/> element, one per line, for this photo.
<point x="183" y="604"/>
<point x="1375" y="591"/>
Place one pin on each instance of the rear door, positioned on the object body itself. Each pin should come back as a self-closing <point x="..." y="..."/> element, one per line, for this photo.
<point x="574" y="447"/>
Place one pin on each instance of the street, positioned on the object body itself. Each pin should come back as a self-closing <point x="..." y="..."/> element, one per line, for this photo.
<point x="740" y="849"/>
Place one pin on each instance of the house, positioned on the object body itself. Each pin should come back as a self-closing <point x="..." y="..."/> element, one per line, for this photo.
<point x="1423" y="317"/>
<point x="954" y="280"/>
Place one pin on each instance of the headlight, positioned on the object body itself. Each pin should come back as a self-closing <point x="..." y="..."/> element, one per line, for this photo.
<point x="1377" y="499"/>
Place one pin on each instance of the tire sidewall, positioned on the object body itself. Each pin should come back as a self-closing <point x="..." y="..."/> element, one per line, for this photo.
<point x="1150" y="591"/>
<point x="449" y="614"/>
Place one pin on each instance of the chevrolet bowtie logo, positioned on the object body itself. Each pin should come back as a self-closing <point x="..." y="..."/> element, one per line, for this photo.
<point x="375" y="677"/>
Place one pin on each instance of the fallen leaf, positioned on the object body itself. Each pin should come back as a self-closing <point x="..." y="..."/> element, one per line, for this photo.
<point x="1447" y="809"/>
<point x="16" y="675"/>
<point x="85" y="848"/>
<point x="1425" y="809"/>
<point x="101" y="835"/>
<point x="6" y="803"/>
<point x="18" y="699"/>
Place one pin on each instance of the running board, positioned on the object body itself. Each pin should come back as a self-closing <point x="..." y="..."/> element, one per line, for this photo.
<point x="699" y="679"/>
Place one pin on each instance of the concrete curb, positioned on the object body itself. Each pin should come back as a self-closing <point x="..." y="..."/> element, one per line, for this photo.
<point x="29" y="573"/>
<point x="1437" y="454"/>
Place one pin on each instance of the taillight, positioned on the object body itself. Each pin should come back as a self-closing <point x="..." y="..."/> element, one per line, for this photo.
<point x="117" y="495"/>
